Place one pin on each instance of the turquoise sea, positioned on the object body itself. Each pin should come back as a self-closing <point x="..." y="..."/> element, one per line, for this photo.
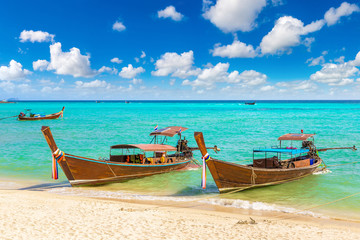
<point x="88" y="129"/>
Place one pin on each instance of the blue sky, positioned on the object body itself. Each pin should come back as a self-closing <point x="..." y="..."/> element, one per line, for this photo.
<point x="148" y="50"/>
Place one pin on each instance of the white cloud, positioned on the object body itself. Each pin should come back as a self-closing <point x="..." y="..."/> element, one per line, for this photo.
<point x="335" y="74"/>
<point x="14" y="71"/>
<point x="142" y="54"/>
<point x="116" y="60"/>
<point x="69" y="63"/>
<point x="36" y="36"/>
<point x="40" y="65"/>
<point x="267" y="88"/>
<point x="118" y="26"/>
<point x="219" y="74"/>
<point x="175" y="64"/>
<point x="136" y="81"/>
<point x="108" y="70"/>
<point x="306" y="85"/>
<point x="93" y="84"/>
<point x="130" y="71"/>
<point x="235" y="50"/>
<point x="172" y="82"/>
<point x="50" y="89"/>
<point x="170" y="12"/>
<point x="316" y="61"/>
<point x="332" y="16"/>
<point x="137" y="59"/>
<point x="234" y="15"/>
<point x="247" y="78"/>
<point x="287" y="33"/>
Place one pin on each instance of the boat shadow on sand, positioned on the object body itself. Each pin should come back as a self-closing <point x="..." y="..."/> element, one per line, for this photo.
<point x="45" y="186"/>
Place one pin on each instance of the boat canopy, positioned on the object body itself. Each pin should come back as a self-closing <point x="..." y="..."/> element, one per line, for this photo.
<point x="295" y="136"/>
<point x="289" y="151"/>
<point x="146" y="147"/>
<point x="169" y="131"/>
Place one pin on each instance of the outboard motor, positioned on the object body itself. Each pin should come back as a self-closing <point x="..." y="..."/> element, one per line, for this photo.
<point x="183" y="147"/>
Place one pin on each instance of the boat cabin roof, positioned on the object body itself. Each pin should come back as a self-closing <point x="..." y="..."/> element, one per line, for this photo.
<point x="169" y="131"/>
<point x="289" y="151"/>
<point x="295" y="136"/>
<point x="146" y="147"/>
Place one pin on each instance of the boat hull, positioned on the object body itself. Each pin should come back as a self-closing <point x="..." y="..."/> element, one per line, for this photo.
<point x="82" y="171"/>
<point x="232" y="177"/>
<point x="49" y="116"/>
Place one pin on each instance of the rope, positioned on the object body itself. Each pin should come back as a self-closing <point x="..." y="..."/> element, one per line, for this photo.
<point x="343" y="164"/>
<point x="8" y="117"/>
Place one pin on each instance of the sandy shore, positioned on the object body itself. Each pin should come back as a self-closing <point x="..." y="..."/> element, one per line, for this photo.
<point x="43" y="215"/>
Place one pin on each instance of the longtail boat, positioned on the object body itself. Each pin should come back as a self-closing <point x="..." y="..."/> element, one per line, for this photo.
<point x="250" y="103"/>
<point x="270" y="170"/>
<point x="126" y="161"/>
<point x="37" y="116"/>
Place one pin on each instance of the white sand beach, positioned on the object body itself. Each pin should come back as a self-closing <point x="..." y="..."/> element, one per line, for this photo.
<point x="42" y="215"/>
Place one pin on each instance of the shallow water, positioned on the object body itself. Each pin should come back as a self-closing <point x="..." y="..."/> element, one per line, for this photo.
<point x="88" y="129"/>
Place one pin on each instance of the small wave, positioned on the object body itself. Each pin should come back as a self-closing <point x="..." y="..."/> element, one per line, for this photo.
<point x="232" y="203"/>
<point x="323" y="171"/>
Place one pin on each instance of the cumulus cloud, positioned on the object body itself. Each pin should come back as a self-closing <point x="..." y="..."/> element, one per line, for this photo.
<point x="130" y="71"/>
<point x="287" y="33"/>
<point x="333" y="15"/>
<point x="176" y="65"/>
<point x="14" y="71"/>
<point x="170" y="12"/>
<point x="118" y="26"/>
<point x="40" y="65"/>
<point x="116" y="60"/>
<point x="136" y="81"/>
<point x="267" y="88"/>
<point x="68" y="63"/>
<point x="232" y="16"/>
<point x="108" y="70"/>
<point x="335" y="74"/>
<point x="93" y="84"/>
<point x="219" y="74"/>
<point x="50" y="89"/>
<point x="142" y="54"/>
<point x="306" y="85"/>
<point x="36" y="36"/>
<point x="235" y="50"/>
<point x="316" y="61"/>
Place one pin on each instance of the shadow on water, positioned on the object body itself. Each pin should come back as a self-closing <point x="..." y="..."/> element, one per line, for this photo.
<point x="46" y="186"/>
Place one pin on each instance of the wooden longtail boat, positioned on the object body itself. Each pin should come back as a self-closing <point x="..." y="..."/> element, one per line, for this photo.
<point x="250" y="103"/>
<point x="266" y="171"/>
<point x="22" y="116"/>
<point x="128" y="162"/>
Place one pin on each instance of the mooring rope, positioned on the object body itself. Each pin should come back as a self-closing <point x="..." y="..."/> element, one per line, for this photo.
<point x="8" y="117"/>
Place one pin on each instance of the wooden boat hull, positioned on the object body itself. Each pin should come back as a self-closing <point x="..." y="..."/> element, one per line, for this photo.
<point x="87" y="171"/>
<point x="49" y="116"/>
<point x="231" y="176"/>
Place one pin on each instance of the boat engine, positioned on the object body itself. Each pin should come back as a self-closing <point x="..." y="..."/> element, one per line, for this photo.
<point x="183" y="147"/>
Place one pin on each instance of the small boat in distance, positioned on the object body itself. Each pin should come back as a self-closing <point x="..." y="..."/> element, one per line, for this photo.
<point x="250" y="103"/>
<point x="28" y="115"/>
<point x="269" y="170"/>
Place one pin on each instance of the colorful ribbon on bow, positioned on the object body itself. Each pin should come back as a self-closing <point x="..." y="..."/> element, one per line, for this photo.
<point x="57" y="157"/>
<point x="203" y="177"/>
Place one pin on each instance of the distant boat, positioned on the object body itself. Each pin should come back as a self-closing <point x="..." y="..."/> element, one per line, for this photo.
<point x="271" y="170"/>
<point x="98" y="101"/>
<point x="127" y="102"/>
<point x="38" y="116"/>
<point x="250" y="103"/>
